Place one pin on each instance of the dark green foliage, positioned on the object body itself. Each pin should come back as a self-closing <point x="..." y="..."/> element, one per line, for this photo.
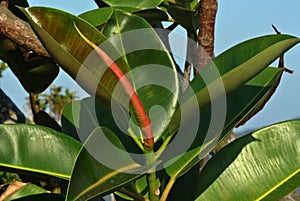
<point x="243" y="84"/>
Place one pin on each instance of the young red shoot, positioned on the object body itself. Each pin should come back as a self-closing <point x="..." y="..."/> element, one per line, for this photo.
<point x="138" y="108"/>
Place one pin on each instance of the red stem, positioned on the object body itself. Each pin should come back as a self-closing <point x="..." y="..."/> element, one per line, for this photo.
<point x="138" y="108"/>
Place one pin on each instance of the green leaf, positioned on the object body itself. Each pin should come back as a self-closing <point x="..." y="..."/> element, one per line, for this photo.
<point x="72" y="53"/>
<point x="42" y="197"/>
<point x="239" y="104"/>
<point x="258" y="89"/>
<point x="37" y="149"/>
<point x="185" y="17"/>
<point x="97" y="17"/>
<point x="235" y="67"/>
<point x="146" y="56"/>
<point x="82" y="117"/>
<point x="264" y="165"/>
<point x="38" y="78"/>
<point x="100" y="16"/>
<point x="136" y="5"/>
<point x="28" y="189"/>
<point x="184" y="187"/>
<point x="259" y="106"/>
<point x="152" y="16"/>
<point x="34" y="73"/>
<point x="240" y="63"/>
<point x="96" y="173"/>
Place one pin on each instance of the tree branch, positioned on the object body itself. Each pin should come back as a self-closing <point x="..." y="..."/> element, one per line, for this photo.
<point x="20" y="32"/>
<point x="206" y="35"/>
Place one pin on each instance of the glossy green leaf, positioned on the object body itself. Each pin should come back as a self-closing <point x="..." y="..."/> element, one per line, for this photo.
<point x="184" y="187"/>
<point x="28" y="189"/>
<point x="72" y="53"/>
<point x="97" y="17"/>
<point x="100" y="16"/>
<point x="37" y="149"/>
<point x="259" y="88"/>
<point x="194" y="4"/>
<point x="34" y="73"/>
<point x="38" y="78"/>
<point x="239" y="104"/>
<point x="264" y="165"/>
<point x="185" y="17"/>
<point x="48" y="30"/>
<point x="96" y="173"/>
<point x="152" y="15"/>
<point x="136" y="5"/>
<point x="235" y="67"/>
<point x="240" y="63"/>
<point x="259" y="106"/>
<point x="43" y="197"/>
<point x="146" y="56"/>
<point x="82" y="117"/>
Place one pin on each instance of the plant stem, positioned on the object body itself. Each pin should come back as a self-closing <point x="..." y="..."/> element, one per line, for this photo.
<point x="168" y="189"/>
<point x="34" y="103"/>
<point x="151" y="178"/>
<point x="163" y="146"/>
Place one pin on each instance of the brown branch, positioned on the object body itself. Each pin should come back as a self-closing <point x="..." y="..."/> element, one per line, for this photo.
<point x="20" y="32"/>
<point x="206" y="40"/>
<point x="206" y="35"/>
<point x="34" y="103"/>
<point x="186" y="76"/>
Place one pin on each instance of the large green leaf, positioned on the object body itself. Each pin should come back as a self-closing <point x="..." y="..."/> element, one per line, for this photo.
<point x="82" y="117"/>
<point x="264" y="165"/>
<point x="188" y="19"/>
<point x="153" y="71"/>
<point x="152" y="15"/>
<point x="260" y="88"/>
<point x="35" y="73"/>
<point x="98" y="16"/>
<point x="241" y="102"/>
<point x="232" y="69"/>
<point x="37" y="149"/>
<point x="96" y="173"/>
<point x="239" y="64"/>
<point x="133" y="4"/>
<point x="72" y="53"/>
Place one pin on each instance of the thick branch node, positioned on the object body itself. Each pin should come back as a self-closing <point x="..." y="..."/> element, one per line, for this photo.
<point x="20" y="32"/>
<point x="206" y="40"/>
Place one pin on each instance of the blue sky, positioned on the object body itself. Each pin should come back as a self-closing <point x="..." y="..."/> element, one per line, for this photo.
<point x="236" y="21"/>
